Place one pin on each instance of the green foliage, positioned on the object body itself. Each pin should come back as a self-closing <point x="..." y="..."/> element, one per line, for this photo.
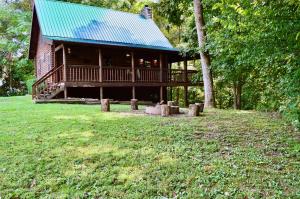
<point x="29" y="84"/>
<point x="14" y="42"/>
<point x="254" y="45"/>
<point x="76" y="151"/>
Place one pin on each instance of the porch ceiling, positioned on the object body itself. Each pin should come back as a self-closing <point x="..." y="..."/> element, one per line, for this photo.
<point x="173" y="56"/>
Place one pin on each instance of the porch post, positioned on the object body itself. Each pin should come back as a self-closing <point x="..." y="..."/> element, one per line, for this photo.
<point x="185" y="70"/>
<point x="100" y="74"/>
<point x="161" y="93"/>
<point x="161" y="76"/>
<point x="186" y="102"/>
<point x="65" y="71"/>
<point x="133" y="75"/>
<point x="161" y="67"/>
<point x="53" y="64"/>
<point x="170" y="79"/>
<point x="133" y="92"/>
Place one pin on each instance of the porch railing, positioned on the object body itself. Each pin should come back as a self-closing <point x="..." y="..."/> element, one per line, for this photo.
<point x="147" y="74"/>
<point x="91" y="73"/>
<point x="179" y="76"/>
<point x="81" y="73"/>
<point x="116" y="74"/>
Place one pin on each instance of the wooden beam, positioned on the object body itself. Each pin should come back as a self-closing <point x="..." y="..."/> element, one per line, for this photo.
<point x="65" y="72"/>
<point x="161" y="93"/>
<point x="100" y="73"/>
<point x="101" y="93"/>
<point x="100" y="66"/>
<point x="133" y="92"/>
<point x="132" y="67"/>
<point x="65" y="64"/>
<point x="169" y="80"/>
<point x="59" y="47"/>
<point x="167" y="64"/>
<point x="128" y="84"/>
<point x="185" y="70"/>
<point x="161" y="67"/>
<point x="186" y="100"/>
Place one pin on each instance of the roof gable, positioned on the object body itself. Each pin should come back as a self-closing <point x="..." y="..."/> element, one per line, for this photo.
<point x="87" y="24"/>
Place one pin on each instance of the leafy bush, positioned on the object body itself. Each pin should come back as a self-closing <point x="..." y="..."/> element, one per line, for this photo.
<point x="29" y="84"/>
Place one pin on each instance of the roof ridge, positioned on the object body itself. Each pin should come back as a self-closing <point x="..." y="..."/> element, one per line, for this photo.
<point x="97" y="7"/>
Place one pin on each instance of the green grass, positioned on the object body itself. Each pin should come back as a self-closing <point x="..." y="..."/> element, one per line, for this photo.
<point x="67" y="151"/>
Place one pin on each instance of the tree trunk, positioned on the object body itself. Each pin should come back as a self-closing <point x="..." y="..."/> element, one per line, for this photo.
<point x="204" y="55"/>
<point x="10" y="80"/>
<point x="237" y="93"/>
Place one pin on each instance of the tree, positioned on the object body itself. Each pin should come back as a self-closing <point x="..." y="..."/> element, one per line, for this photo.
<point x="204" y="54"/>
<point x="15" y="68"/>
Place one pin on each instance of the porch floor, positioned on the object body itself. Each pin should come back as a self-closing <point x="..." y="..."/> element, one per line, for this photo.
<point x="85" y="101"/>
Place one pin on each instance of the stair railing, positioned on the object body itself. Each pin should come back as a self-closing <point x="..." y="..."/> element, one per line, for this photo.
<point x="48" y="81"/>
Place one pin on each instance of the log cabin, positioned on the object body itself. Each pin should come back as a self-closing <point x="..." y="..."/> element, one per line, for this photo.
<point x="82" y="51"/>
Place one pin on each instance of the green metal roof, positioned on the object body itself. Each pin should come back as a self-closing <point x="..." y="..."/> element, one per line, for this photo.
<point x="87" y="24"/>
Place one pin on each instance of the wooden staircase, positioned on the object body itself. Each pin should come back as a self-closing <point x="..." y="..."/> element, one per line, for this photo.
<point x="50" y="85"/>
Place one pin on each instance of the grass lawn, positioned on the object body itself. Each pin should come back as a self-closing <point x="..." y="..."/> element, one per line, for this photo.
<point x="67" y="151"/>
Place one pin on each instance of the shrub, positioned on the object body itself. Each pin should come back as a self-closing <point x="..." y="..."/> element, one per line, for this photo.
<point x="29" y="84"/>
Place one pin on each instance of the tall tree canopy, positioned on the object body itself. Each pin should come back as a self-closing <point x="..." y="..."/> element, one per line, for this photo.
<point x="15" y="68"/>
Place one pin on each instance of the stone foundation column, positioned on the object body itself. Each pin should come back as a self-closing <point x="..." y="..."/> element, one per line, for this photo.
<point x="171" y="103"/>
<point x="201" y="107"/>
<point x="165" y="110"/>
<point x="105" y="106"/>
<point x="174" y="110"/>
<point x="193" y="110"/>
<point x="134" y="104"/>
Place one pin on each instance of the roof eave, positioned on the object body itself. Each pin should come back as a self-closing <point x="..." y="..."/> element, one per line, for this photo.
<point x="30" y="53"/>
<point x="112" y="44"/>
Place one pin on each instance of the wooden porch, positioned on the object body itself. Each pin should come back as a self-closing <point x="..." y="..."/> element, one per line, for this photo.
<point x="125" y="69"/>
<point x="95" y="76"/>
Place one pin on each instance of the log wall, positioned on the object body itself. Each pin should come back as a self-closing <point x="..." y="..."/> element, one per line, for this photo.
<point x="44" y="57"/>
